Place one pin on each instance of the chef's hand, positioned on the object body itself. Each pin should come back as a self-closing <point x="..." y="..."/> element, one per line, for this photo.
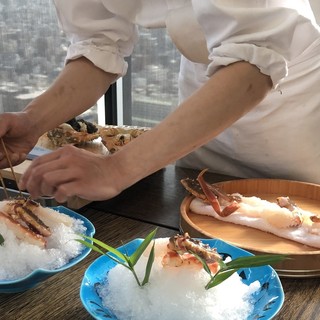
<point x="71" y="171"/>
<point x="19" y="136"/>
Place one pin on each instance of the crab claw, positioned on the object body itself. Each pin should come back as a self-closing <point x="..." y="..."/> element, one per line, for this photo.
<point x="213" y="199"/>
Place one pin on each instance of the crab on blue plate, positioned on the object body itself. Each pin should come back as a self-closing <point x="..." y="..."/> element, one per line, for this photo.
<point x="267" y="300"/>
<point x="36" y="276"/>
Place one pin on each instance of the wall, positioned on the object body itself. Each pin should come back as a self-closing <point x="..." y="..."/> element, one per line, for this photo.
<point x="315" y="4"/>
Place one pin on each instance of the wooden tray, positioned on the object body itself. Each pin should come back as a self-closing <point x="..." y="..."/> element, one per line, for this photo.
<point x="304" y="262"/>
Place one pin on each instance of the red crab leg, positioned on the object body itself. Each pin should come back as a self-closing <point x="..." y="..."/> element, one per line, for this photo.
<point x="212" y="198"/>
<point x="231" y="208"/>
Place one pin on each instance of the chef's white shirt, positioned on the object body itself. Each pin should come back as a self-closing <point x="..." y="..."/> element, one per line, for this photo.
<point x="279" y="138"/>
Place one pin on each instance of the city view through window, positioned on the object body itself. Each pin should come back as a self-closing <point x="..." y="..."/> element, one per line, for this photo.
<point x="33" y="49"/>
<point x="154" y="76"/>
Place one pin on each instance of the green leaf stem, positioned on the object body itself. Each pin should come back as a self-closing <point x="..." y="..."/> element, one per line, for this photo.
<point x="227" y="269"/>
<point x="127" y="261"/>
<point x="149" y="266"/>
<point x="1" y="240"/>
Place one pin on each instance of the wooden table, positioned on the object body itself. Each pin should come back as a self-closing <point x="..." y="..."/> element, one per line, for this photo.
<point x="152" y="202"/>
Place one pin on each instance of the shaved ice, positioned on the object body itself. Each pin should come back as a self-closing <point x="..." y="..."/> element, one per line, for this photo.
<point x="18" y="258"/>
<point x="174" y="293"/>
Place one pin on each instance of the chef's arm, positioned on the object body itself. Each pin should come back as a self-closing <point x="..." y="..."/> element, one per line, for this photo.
<point x="77" y="88"/>
<point x="227" y="96"/>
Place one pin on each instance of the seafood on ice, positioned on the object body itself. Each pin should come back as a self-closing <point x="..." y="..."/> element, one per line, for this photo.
<point x="179" y="281"/>
<point x="34" y="237"/>
<point x="29" y="221"/>
<point x="182" y="251"/>
<point x="283" y="217"/>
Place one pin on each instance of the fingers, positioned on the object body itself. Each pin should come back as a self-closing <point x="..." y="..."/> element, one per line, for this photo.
<point x="68" y="172"/>
<point x="15" y="159"/>
<point x="49" y="183"/>
<point x="48" y="175"/>
<point x="66" y="190"/>
<point x="39" y="166"/>
<point x="54" y="184"/>
<point x="42" y="175"/>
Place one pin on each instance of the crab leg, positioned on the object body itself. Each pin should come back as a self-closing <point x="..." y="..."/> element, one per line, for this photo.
<point x="211" y="197"/>
<point x="22" y="232"/>
<point x="213" y="200"/>
<point x="185" y="244"/>
<point x="182" y="250"/>
<point x="32" y="220"/>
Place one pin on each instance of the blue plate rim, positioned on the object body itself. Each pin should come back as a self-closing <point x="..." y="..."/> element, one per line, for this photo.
<point x="85" y="252"/>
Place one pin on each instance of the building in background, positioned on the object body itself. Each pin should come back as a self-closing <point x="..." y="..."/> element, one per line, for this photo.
<point x="32" y="53"/>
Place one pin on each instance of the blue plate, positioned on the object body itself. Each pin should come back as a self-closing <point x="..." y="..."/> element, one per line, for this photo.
<point x="268" y="301"/>
<point x="39" y="275"/>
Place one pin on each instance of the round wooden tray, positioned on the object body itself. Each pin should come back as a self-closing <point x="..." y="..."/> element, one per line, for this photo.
<point x="304" y="260"/>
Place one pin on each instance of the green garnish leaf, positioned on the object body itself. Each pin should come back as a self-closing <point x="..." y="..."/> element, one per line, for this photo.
<point x="127" y="261"/>
<point x="143" y="246"/>
<point x="90" y="245"/>
<point x="204" y="263"/>
<point x="1" y="240"/>
<point x="229" y="268"/>
<point x="219" y="277"/>
<point x="255" y="261"/>
<point x="149" y="266"/>
<point x="108" y="248"/>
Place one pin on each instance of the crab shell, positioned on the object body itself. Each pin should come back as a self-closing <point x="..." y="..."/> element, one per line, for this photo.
<point x="185" y="244"/>
<point x="116" y="137"/>
<point x="65" y="134"/>
<point x="29" y="220"/>
<point x="212" y="195"/>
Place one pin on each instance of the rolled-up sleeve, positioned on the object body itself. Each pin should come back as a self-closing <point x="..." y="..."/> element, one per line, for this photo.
<point x="267" y="34"/>
<point x="97" y="34"/>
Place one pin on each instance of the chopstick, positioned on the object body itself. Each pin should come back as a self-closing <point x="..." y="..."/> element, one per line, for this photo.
<point x="11" y="168"/>
<point x="4" y="187"/>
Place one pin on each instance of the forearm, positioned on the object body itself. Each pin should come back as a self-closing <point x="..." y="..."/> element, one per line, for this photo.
<point x="77" y="88"/>
<point x="226" y="97"/>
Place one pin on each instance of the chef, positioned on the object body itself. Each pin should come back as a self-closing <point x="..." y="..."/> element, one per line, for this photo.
<point x="248" y="87"/>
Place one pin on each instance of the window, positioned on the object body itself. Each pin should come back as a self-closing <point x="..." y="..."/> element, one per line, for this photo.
<point x="32" y="52"/>
<point x="153" y="85"/>
<point x="149" y="91"/>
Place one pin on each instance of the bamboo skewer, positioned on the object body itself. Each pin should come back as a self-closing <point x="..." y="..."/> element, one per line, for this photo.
<point x="11" y="168"/>
<point x="4" y="186"/>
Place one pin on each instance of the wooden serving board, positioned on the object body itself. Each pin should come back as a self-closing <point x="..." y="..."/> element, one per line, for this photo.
<point x="304" y="260"/>
<point x="19" y="170"/>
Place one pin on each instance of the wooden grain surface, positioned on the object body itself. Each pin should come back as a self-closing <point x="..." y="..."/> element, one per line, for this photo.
<point x="19" y="170"/>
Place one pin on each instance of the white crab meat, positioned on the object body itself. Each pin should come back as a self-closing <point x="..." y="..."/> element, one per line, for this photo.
<point x="30" y="221"/>
<point x="23" y="233"/>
